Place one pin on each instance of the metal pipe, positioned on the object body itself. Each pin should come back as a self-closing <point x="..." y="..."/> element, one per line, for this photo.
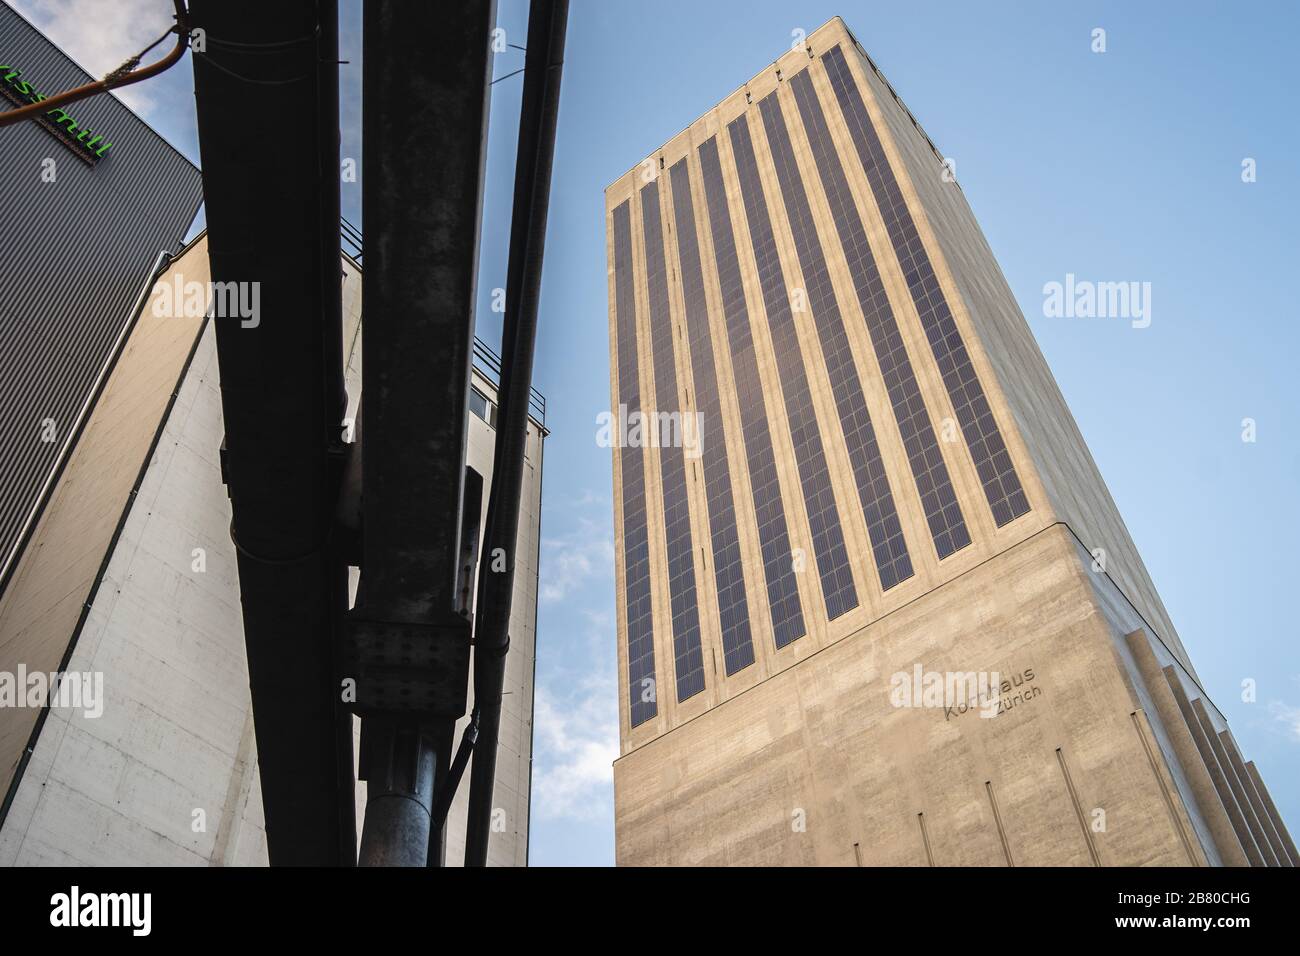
<point x="124" y="75"/>
<point x="335" y="397"/>
<point x="264" y="181"/>
<point x="539" y="112"/>
<point x="399" y="798"/>
<point x="451" y="783"/>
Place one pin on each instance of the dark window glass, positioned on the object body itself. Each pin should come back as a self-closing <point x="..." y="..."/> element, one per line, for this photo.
<point x="672" y="460"/>
<point x="728" y="571"/>
<point x="769" y="510"/>
<point x="823" y="517"/>
<point x="938" y="500"/>
<point x="482" y="406"/>
<point x="1001" y="484"/>
<point x="642" y="692"/>
<point x="887" y="544"/>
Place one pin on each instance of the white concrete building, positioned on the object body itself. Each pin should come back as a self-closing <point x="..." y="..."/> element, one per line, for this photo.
<point x="130" y="574"/>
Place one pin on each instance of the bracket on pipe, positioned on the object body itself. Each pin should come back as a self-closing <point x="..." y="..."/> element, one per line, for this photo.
<point x="403" y="669"/>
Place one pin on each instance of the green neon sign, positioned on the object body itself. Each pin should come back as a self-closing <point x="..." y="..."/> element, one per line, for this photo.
<point x="87" y="144"/>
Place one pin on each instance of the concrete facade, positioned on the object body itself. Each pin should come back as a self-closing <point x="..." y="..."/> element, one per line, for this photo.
<point x="804" y="756"/>
<point x="84" y="227"/>
<point x="167" y="775"/>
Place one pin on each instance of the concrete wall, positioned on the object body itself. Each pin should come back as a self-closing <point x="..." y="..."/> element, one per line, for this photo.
<point x="816" y="765"/>
<point x="45" y="599"/>
<point x="175" y="736"/>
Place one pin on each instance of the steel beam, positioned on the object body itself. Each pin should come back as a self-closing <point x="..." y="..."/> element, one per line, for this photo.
<point x="426" y="77"/>
<point x="266" y="91"/>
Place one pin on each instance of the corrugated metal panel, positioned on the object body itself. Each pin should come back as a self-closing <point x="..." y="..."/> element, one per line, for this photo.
<point x="74" y="255"/>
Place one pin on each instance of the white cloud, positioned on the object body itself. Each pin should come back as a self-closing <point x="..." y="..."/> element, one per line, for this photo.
<point x="589" y="498"/>
<point x="575" y="744"/>
<point x="1288" y="716"/>
<point x="600" y="622"/>
<point x="575" y="558"/>
<point x="100" y="36"/>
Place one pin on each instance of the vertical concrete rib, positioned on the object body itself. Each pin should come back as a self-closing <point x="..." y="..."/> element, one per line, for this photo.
<point x="769" y="509"/>
<point x="893" y="563"/>
<point x="1078" y="808"/>
<point x="1211" y="760"/>
<point x="925" y="839"/>
<point x="1146" y="736"/>
<point x="1221" y="836"/>
<point x="997" y="474"/>
<point x="1238" y="792"/>
<point x="728" y="570"/>
<point x="631" y="465"/>
<point x="678" y="547"/>
<point x="1276" y="817"/>
<point x="997" y="819"/>
<point x="943" y="513"/>
<point x="830" y="554"/>
<point x="1270" y="835"/>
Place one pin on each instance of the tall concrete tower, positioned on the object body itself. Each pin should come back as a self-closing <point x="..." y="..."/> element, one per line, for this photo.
<point x="876" y="604"/>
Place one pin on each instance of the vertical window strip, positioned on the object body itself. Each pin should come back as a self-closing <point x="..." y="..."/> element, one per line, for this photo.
<point x="769" y="510"/>
<point x="934" y="486"/>
<point x="728" y="567"/>
<point x="993" y="463"/>
<point x="823" y="516"/>
<point x="642" y="692"/>
<point x="678" y="544"/>
<point x="886" y="533"/>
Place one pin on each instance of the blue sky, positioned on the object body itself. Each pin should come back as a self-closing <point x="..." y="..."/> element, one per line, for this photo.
<point x="1117" y="166"/>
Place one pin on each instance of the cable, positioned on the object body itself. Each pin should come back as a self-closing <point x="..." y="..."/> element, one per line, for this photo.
<point x="506" y="77"/>
<point x="126" y="68"/>
<point x="204" y="58"/>
<point x="124" y="75"/>
<point x="274" y="45"/>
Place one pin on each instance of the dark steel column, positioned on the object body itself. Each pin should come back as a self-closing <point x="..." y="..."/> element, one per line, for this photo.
<point x="426" y="75"/>
<point x="425" y="133"/>
<point x="399" y="795"/>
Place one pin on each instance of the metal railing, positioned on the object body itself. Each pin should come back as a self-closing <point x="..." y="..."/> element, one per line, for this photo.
<point x="351" y="236"/>
<point x="489" y="363"/>
<point x="486" y="360"/>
